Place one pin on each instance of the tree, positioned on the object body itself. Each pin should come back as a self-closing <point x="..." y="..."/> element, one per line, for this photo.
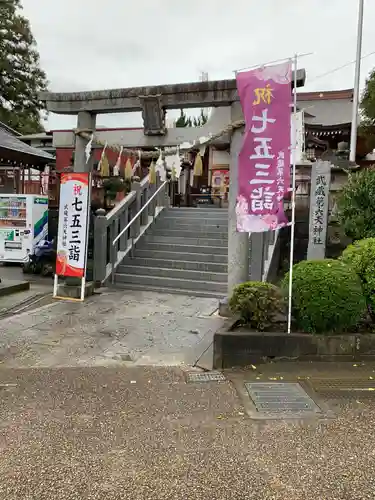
<point x="356" y="205"/>
<point x="368" y="98"/>
<point x="201" y="119"/>
<point x="185" y="121"/>
<point x="21" y="77"/>
<point x="367" y="126"/>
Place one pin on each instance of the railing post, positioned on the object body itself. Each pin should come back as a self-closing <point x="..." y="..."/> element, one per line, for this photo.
<point x="100" y="246"/>
<point x="136" y="226"/>
<point x="166" y="199"/>
<point x="145" y="198"/>
<point x="160" y="196"/>
<point x="113" y="231"/>
<point x="124" y="219"/>
<point x="151" y="207"/>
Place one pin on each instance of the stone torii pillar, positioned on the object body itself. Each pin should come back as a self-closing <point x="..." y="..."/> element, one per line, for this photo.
<point x="238" y="243"/>
<point x="85" y="121"/>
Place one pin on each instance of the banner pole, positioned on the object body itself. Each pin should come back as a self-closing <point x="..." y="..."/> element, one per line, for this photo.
<point x="88" y="220"/>
<point x="293" y="222"/>
<point x="55" y="285"/>
<point x="248" y="68"/>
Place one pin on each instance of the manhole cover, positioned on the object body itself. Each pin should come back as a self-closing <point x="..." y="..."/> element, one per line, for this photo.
<point x="277" y="398"/>
<point x="205" y="377"/>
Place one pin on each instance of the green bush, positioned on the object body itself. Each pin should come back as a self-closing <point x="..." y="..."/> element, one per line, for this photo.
<point x="257" y="303"/>
<point x="356" y="205"/>
<point x="327" y="296"/>
<point x="361" y="257"/>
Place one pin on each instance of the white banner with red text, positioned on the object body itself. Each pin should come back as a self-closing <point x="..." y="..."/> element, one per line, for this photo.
<point x="73" y="221"/>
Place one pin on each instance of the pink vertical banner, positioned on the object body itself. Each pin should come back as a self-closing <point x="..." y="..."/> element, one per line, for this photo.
<point x="264" y="160"/>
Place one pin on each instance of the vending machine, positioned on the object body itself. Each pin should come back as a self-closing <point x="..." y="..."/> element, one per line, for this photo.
<point x="23" y="223"/>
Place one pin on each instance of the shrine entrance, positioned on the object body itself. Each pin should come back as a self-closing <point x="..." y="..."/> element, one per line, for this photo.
<point x="114" y="232"/>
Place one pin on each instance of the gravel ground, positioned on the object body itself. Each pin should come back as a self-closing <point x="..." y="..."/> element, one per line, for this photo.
<point x="143" y="433"/>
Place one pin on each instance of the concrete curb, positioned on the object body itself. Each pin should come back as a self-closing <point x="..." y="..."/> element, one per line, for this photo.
<point x="8" y="287"/>
<point x="243" y="348"/>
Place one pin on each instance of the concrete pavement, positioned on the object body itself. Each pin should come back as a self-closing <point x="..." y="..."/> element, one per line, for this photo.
<point x="39" y="294"/>
<point x="110" y="328"/>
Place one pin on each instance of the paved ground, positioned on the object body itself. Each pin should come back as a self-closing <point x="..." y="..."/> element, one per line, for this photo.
<point x="143" y="433"/>
<point x="103" y="427"/>
<point x="39" y="293"/>
<point x="14" y="272"/>
<point x="113" y="327"/>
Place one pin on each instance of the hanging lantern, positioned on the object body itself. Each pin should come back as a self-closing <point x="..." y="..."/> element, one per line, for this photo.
<point x="198" y="166"/>
<point x="152" y="171"/>
<point x="104" y="166"/>
<point x="128" y="174"/>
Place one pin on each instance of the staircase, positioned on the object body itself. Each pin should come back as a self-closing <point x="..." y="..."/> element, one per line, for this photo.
<point x="184" y="251"/>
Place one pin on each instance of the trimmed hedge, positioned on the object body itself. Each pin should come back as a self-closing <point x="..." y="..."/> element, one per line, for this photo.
<point x="327" y="296"/>
<point x="257" y="303"/>
<point x="361" y="257"/>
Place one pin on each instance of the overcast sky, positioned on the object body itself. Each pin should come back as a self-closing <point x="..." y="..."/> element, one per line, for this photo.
<point x="120" y="43"/>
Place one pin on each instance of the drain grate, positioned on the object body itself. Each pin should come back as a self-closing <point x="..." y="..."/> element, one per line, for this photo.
<point x="205" y="377"/>
<point x="346" y="385"/>
<point x="344" y="389"/>
<point x="281" y="398"/>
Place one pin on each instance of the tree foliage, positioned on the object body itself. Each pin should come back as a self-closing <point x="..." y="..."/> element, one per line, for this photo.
<point x="368" y="98"/>
<point x="257" y="303"/>
<point x="183" y="120"/>
<point x="367" y="126"/>
<point x="361" y="257"/>
<point x="356" y="205"/>
<point x="186" y="121"/>
<point x="21" y="77"/>
<point x="327" y="296"/>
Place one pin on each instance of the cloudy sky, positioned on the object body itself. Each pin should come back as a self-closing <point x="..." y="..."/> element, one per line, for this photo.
<point x="120" y="43"/>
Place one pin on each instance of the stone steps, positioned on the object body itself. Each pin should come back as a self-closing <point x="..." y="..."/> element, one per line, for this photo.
<point x="189" y="265"/>
<point x="198" y="226"/>
<point x="168" y="272"/>
<point x="184" y="251"/>
<point x="176" y="283"/>
<point x="171" y="247"/>
<point x="202" y="258"/>
<point x="198" y="221"/>
<point x="172" y="291"/>
<point x="193" y="234"/>
<point x="181" y="240"/>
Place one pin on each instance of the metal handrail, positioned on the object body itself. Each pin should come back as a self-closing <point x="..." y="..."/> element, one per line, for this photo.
<point x="129" y="225"/>
<point x="138" y="214"/>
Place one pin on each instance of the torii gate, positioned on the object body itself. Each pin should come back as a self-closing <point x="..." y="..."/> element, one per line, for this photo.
<point x="154" y="101"/>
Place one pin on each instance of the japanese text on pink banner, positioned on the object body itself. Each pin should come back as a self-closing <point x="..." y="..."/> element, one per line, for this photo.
<point x="264" y="173"/>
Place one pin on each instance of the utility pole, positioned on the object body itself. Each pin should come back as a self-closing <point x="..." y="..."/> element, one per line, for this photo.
<point x="353" y="135"/>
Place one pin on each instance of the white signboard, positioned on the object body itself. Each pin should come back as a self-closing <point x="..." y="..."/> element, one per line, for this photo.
<point x="73" y="225"/>
<point x="298" y="135"/>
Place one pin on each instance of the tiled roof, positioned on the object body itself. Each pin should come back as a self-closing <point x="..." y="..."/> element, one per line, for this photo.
<point x="5" y="127"/>
<point x="12" y="143"/>
<point x="325" y="95"/>
<point x="327" y="108"/>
